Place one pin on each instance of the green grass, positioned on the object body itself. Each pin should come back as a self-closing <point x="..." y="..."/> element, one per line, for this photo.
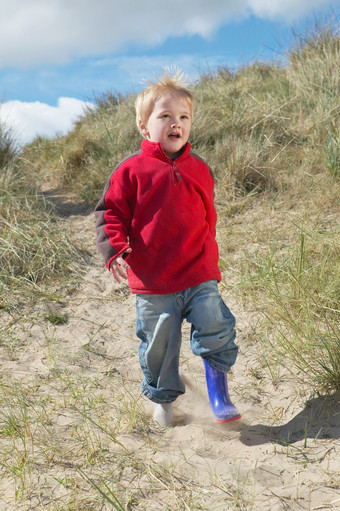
<point x="298" y="294"/>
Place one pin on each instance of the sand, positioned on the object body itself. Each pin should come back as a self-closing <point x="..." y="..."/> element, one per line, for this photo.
<point x="282" y="455"/>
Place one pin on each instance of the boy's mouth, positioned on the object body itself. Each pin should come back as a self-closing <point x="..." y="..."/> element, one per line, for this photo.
<point x="174" y="136"/>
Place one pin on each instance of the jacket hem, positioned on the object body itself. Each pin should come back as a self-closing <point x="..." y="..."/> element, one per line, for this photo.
<point x="170" y="290"/>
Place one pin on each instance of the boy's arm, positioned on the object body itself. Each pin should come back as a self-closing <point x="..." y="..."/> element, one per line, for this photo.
<point x="208" y="196"/>
<point x="114" y="215"/>
<point x="209" y="204"/>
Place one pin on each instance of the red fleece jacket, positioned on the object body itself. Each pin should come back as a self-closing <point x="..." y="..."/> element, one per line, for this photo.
<point x="164" y="210"/>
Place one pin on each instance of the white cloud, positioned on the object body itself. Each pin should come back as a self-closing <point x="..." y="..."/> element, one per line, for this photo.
<point x="40" y="32"/>
<point x="287" y="9"/>
<point x="28" y="120"/>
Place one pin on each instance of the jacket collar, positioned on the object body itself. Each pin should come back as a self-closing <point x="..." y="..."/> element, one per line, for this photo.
<point x="155" y="149"/>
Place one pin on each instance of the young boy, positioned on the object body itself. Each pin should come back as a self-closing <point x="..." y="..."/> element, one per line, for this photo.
<point x="156" y="222"/>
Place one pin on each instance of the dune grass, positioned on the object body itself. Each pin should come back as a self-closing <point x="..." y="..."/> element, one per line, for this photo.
<point x="301" y="311"/>
<point x="35" y="250"/>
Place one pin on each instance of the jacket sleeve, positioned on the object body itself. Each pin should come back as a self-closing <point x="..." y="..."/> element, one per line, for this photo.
<point x="208" y="195"/>
<point x="114" y="215"/>
<point x="209" y="203"/>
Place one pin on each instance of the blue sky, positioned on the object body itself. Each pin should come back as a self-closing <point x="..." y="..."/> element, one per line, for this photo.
<point x="56" y="56"/>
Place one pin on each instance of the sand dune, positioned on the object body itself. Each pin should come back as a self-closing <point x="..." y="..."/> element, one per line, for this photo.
<point x="282" y="455"/>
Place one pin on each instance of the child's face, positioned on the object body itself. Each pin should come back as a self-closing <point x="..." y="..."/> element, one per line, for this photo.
<point x="169" y="124"/>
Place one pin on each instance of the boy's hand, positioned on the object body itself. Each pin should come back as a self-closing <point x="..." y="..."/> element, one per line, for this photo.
<point x="118" y="265"/>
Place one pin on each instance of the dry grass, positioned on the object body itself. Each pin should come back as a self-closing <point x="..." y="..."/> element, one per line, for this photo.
<point x="35" y="250"/>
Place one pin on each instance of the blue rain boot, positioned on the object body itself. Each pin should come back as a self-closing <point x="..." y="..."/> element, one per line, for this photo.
<point x="222" y="407"/>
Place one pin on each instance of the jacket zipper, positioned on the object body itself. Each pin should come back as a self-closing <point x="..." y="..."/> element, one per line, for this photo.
<point x="177" y="174"/>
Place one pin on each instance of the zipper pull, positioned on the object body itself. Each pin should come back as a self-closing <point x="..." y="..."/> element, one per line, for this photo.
<point x="177" y="174"/>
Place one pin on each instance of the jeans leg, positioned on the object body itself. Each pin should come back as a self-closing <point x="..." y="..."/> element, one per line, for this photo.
<point x="212" y="332"/>
<point x="159" y="321"/>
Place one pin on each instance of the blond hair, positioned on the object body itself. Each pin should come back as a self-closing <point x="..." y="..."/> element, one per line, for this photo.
<point x="171" y="82"/>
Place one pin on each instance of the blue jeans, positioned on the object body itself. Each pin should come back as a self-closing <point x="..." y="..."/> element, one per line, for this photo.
<point x="159" y="321"/>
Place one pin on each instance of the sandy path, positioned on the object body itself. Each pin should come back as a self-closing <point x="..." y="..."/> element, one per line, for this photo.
<point x="281" y="455"/>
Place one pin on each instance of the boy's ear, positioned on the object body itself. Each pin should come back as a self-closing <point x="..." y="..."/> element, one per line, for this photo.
<point x="143" y="129"/>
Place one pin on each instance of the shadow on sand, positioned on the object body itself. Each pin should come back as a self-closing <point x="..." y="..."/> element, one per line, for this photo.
<point x="319" y="419"/>
<point x="65" y="206"/>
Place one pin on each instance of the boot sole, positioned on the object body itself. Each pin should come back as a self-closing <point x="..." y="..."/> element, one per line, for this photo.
<point x="221" y="421"/>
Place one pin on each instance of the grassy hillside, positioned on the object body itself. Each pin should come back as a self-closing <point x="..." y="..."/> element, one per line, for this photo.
<point x="272" y="136"/>
<point x="259" y="128"/>
<point x="35" y="251"/>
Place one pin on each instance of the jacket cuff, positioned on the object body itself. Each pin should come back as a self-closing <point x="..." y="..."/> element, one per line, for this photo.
<point x="119" y="253"/>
